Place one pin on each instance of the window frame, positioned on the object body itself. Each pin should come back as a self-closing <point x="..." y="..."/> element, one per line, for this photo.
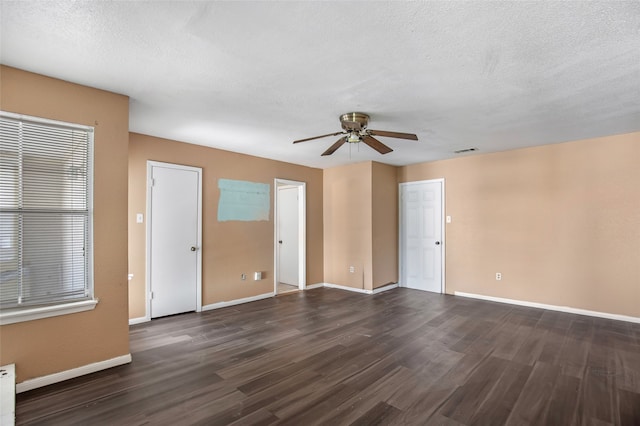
<point x="45" y="310"/>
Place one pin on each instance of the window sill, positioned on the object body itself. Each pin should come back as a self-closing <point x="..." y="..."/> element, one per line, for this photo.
<point x="30" y="314"/>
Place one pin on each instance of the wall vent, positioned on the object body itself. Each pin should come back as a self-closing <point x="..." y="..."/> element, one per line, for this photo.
<point x="460" y="151"/>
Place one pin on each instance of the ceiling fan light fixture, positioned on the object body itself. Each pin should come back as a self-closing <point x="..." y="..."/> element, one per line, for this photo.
<point x="354" y="137"/>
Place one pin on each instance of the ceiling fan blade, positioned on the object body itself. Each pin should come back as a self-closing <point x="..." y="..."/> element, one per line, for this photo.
<point x="318" y="137"/>
<point x="333" y="148"/>
<point x="376" y="144"/>
<point x="394" y="134"/>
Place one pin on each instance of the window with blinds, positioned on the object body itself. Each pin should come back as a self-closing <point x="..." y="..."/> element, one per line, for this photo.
<point x="45" y="211"/>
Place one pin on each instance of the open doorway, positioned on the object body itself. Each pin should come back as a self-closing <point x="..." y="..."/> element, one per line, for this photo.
<point x="290" y="236"/>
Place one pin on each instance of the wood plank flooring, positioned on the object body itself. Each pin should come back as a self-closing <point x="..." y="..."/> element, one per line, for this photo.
<point x="328" y="356"/>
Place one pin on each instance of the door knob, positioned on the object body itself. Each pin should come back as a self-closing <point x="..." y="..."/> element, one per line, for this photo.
<point x="280" y="242"/>
<point x="437" y="243"/>
<point x="193" y="248"/>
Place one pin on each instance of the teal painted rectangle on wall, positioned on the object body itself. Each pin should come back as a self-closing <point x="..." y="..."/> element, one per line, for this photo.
<point x="243" y="201"/>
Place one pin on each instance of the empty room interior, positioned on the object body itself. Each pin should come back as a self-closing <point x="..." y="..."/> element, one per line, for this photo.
<point x="200" y="223"/>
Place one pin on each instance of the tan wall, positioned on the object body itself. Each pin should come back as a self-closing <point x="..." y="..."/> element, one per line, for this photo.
<point x="361" y="225"/>
<point x="228" y="248"/>
<point x="385" y="224"/>
<point x="347" y="225"/>
<point x="64" y="342"/>
<point x="560" y="222"/>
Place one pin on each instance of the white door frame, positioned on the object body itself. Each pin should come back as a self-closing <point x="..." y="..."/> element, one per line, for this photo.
<point x="302" y="232"/>
<point x="198" y="170"/>
<point x="401" y="254"/>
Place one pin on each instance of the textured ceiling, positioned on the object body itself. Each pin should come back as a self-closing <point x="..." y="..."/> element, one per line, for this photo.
<point x="252" y="77"/>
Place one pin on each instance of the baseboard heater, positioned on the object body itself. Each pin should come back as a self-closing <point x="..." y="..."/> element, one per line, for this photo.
<point x="8" y="395"/>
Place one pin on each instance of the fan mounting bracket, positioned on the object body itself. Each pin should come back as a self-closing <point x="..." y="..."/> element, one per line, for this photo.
<point x="354" y="121"/>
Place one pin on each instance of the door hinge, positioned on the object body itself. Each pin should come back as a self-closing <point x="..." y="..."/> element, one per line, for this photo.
<point x="153" y="182"/>
<point x="151" y="295"/>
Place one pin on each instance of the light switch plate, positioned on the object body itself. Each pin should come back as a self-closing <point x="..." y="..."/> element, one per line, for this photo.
<point x="448" y="219"/>
<point x="139" y="218"/>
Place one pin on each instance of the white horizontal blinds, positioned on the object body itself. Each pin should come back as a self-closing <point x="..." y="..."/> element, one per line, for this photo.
<point x="9" y="221"/>
<point x="44" y="212"/>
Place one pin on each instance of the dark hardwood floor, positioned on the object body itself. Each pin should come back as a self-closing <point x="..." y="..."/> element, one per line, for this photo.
<point x="332" y="357"/>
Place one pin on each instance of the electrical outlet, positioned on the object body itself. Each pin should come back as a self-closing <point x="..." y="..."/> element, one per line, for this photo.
<point x="498" y="276"/>
<point x="257" y="276"/>
<point x="352" y="269"/>
<point x="243" y="277"/>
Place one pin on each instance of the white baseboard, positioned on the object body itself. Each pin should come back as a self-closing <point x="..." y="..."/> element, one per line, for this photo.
<point x="236" y="302"/>
<point x="39" y="382"/>
<point x="566" y="309"/>
<point x="138" y="320"/>
<point x="344" y="287"/>
<point x="225" y="304"/>
<point x="228" y="303"/>
<point x="361" y="290"/>
<point x="312" y="286"/>
<point x="384" y="288"/>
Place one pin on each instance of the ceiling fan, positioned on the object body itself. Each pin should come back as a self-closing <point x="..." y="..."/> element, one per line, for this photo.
<point x="355" y="131"/>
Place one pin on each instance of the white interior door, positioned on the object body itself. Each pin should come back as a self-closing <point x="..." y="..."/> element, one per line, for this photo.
<point x="288" y="235"/>
<point x="174" y="222"/>
<point x="421" y="235"/>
